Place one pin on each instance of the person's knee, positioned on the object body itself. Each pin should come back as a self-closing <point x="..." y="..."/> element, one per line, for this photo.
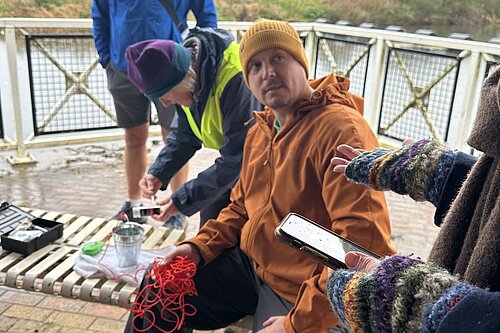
<point x="135" y="137"/>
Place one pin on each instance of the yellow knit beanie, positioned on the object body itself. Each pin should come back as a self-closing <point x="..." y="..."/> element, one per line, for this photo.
<point x="265" y="34"/>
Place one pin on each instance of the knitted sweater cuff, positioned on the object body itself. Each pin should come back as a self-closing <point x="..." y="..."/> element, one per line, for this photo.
<point x="419" y="169"/>
<point x="386" y="299"/>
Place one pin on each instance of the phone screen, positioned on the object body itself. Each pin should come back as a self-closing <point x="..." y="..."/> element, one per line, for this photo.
<point x="313" y="235"/>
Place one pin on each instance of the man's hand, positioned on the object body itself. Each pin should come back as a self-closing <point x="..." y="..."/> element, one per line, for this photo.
<point x="359" y="262"/>
<point x="185" y="250"/>
<point x="339" y="163"/>
<point x="167" y="209"/>
<point x="274" y="324"/>
<point x="149" y="185"/>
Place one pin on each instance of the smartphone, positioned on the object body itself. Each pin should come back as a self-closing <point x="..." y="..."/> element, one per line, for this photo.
<point x="317" y="241"/>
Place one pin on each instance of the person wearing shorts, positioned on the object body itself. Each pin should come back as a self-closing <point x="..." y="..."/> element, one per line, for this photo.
<point x="117" y="25"/>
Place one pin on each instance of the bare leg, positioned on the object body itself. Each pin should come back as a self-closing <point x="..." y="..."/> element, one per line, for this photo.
<point x="181" y="176"/>
<point x="135" y="158"/>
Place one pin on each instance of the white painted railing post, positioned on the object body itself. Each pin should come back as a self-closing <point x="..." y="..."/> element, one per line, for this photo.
<point x="372" y="108"/>
<point x="310" y="47"/>
<point x="22" y="156"/>
<point x="468" y="103"/>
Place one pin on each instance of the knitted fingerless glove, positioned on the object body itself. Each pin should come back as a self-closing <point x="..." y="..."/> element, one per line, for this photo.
<point x="419" y="169"/>
<point x="402" y="294"/>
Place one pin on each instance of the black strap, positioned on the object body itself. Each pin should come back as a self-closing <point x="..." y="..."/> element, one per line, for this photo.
<point x="166" y="4"/>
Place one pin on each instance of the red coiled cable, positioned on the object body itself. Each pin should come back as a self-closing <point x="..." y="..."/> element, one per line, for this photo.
<point x="172" y="282"/>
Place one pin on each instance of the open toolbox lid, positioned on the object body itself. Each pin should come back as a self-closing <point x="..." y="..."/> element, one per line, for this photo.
<point x="12" y="216"/>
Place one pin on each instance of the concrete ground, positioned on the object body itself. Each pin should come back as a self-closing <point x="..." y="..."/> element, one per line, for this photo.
<point x="89" y="180"/>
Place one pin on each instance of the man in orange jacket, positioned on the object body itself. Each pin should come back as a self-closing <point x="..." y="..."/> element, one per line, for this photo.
<point x="243" y="268"/>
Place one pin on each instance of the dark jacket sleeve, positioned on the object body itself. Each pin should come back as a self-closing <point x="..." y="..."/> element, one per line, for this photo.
<point x="457" y="174"/>
<point x="425" y="170"/>
<point x="478" y="312"/>
<point x="222" y="175"/>
<point x="205" y="13"/>
<point x="100" y="23"/>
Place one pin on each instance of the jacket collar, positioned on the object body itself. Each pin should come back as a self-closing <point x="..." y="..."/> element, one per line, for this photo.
<point x="328" y="90"/>
<point x="211" y="43"/>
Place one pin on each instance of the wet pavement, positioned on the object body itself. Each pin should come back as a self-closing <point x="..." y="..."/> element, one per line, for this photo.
<point x="89" y="180"/>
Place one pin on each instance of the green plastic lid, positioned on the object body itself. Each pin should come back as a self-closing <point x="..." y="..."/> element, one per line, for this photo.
<point x="92" y="248"/>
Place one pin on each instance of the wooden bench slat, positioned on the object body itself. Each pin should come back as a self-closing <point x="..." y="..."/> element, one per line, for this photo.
<point x="87" y="288"/>
<point x="92" y="227"/>
<point x="173" y="238"/>
<point x="154" y="238"/>
<point x="51" y="216"/>
<point x="66" y="218"/>
<point x="38" y="212"/>
<point x="105" y="232"/>
<point x="26" y="263"/>
<point x="124" y="297"/>
<point x="9" y="259"/>
<point x="39" y="269"/>
<point x="106" y="291"/>
<point x="62" y="269"/>
<point x="73" y="227"/>
<point x="68" y="283"/>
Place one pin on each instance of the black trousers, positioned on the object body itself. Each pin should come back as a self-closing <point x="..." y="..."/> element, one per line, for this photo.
<point x="228" y="289"/>
<point x="212" y="211"/>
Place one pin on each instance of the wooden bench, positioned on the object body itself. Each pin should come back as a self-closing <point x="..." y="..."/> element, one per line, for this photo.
<point x="50" y="269"/>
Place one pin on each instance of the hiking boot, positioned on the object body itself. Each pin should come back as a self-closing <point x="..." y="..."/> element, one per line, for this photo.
<point x="176" y="222"/>
<point x="127" y="209"/>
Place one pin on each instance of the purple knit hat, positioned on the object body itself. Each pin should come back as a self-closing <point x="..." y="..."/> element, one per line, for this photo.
<point x="156" y="66"/>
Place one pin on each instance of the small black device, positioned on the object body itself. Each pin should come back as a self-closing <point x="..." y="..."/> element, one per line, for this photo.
<point x="317" y="241"/>
<point x="142" y="211"/>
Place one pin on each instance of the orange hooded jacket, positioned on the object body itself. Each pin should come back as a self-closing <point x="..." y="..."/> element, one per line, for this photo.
<point x="290" y="171"/>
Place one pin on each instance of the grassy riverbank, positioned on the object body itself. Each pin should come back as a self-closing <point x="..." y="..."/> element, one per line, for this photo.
<point x="381" y="12"/>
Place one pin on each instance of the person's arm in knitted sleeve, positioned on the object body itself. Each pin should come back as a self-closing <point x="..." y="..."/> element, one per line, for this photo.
<point x="461" y="165"/>
<point x="364" y="305"/>
<point x="425" y="170"/>
<point x="356" y="213"/>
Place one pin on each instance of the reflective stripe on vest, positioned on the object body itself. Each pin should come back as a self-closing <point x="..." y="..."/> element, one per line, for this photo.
<point x="211" y="132"/>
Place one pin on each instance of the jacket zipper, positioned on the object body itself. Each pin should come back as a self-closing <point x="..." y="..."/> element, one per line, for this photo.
<point x="267" y="163"/>
<point x="268" y="157"/>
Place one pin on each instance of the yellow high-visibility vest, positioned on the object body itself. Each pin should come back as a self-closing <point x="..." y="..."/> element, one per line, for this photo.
<point x="211" y="133"/>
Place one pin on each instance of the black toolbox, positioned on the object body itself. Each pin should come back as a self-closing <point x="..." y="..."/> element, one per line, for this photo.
<point x="11" y="216"/>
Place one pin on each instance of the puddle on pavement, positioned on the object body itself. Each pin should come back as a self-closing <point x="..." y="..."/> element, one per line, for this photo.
<point x="73" y="157"/>
<point x="64" y="158"/>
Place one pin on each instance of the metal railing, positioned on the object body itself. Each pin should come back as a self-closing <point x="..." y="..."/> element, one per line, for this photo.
<point x="55" y="92"/>
<point x="68" y="91"/>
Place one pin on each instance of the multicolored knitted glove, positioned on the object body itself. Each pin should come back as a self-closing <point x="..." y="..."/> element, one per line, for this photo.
<point x="419" y="169"/>
<point x="402" y="294"/>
